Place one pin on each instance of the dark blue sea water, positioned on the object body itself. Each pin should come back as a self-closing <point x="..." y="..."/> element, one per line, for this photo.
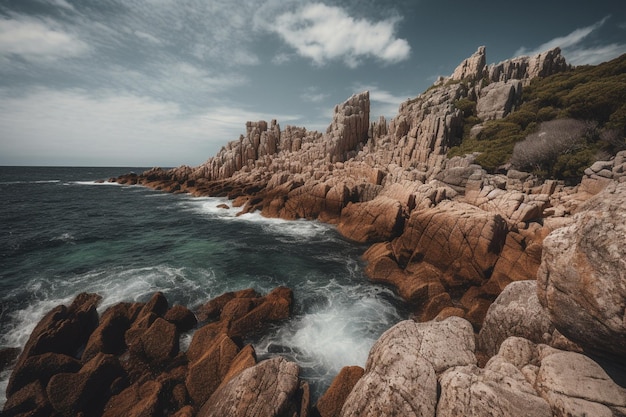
<point x="61" y="233"/>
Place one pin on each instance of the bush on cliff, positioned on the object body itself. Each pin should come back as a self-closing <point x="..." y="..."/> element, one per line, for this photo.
<point x="595" y="94"/>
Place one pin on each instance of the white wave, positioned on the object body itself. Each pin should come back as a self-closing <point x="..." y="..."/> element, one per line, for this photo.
<point x="97" y="183"/>
<point x="114" y="285"/>
<point x="334" y="334"/>
<point x="221" y="208"/>
<point x="29" y="182"/>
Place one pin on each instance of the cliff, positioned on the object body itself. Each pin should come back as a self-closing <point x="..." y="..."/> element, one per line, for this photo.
<point x="393" y="185"/>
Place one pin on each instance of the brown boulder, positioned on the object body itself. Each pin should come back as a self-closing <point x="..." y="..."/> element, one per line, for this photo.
<point x="138" y="400"/>
<point x="181" y="317"/>
<point x="158" y="305"/>
<point x="519" y="260"/>
<point x="273" y="307"/>
<point x="207" y="372"/>
<point x="160" y="342"/>
<point x="7" y="357"/>
<point x="41" y="368"/>
<point x="30" y="401"/>
<point x="372" y="221"/>
<point x="108" y="337"/>
<point x="331" y="402"/>
<point x="203" y="338"/>
<point x="461" y="240"/>
<point x="265" y="390"/>
<point x="582" y="278"/>
<point x="213" y="308"/>
<point x="63" y="330"/>
<point x="86" y="391"/>
<point x="246" y="358"/>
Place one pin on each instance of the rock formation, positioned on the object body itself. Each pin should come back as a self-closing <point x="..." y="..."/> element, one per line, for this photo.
<point x="453" y="241"/>
<point x="582" y="278"/>
<point x="127" y="362"/>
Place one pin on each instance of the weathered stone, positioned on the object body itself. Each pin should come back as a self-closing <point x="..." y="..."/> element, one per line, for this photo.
<point x="63" y="330"/>
<point x="213" y="308"/>
<point x="471" y="391"/>
<point x="108" y="337"/>
<point x="7" y="357"/>
<point x="400" y="374"/>
<point x="41" y="368"/>
<point x="498" y="99"/>
<point x="373" y="221"/>
<point x="138" y="400"/>
<point x="273" y="307"/>
<point x="582" y="278"/>
<point x="207" y="372"/>
<point x="30" y="400"/>
<point x="181" y="317"/>
<point x="460" y="240"/>
<point x="246" y="358"/>
<point x="160" y="342"/>
<point x="516" y="312"/>
<point x="87" y="390"/>
<point x="574" y="385"/>
<point x="331" y="402"/>
<point x="472" y="67"/>
<point x="266" y="389"/>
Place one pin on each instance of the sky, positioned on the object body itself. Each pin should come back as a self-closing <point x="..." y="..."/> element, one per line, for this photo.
<point x="169" y="82"/>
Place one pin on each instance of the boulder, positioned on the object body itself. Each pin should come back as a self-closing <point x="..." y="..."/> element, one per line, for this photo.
<point x="516" y="312"/>
<point x="582" y="277"/>
<point x="138" y="400"/>
<point x="400" y="373"/>
<point x="41" y="368"/>
<point x="331" y="402"/>
<point x="207" y="372"/>
<point x="498" y="99"/>
<point x="7" y="357"/>
<point x="372" y="221"/>
<point x="108" y="337"/>
<point x="500" y="389"/>
<point x="575" y="385"/>
<point x="213" y="308"/>
<point x="462" y="241"/>
<point x="274" y="306"/>
<point x="265" y="390"/>
<point x="160" y="342"/>
<point x="87" y="390"/>
<point x="30" y="400"/>
<point x="181" y="317"/>
<point x="63" y="330"/>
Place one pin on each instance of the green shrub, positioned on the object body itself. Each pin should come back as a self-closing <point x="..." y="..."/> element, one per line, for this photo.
<point x="588" y="93"/>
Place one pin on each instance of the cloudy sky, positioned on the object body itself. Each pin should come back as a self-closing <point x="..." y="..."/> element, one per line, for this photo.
<point x="168" y="82"/>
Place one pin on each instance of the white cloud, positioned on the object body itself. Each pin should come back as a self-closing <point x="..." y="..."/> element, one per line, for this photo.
<point x="77" y="126"/>
<point x="38" y="40"/>
<point x="325" y="33"/>
<point x="594" y="56"/>
<point x="573" y="48"/>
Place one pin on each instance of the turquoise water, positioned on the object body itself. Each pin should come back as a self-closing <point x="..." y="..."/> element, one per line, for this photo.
<point x="61" y="233"/>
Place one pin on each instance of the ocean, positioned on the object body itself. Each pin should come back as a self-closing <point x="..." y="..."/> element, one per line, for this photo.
<point x="62" y="233"/>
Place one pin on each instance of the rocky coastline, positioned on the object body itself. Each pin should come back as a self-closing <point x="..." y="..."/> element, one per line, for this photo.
<point x="516" y="285"/>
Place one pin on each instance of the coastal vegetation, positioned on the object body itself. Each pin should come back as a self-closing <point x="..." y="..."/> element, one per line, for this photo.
<point x="592" y="95"/>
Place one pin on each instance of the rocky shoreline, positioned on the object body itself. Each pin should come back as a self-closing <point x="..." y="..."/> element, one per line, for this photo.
<point x="514" y="284"/>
